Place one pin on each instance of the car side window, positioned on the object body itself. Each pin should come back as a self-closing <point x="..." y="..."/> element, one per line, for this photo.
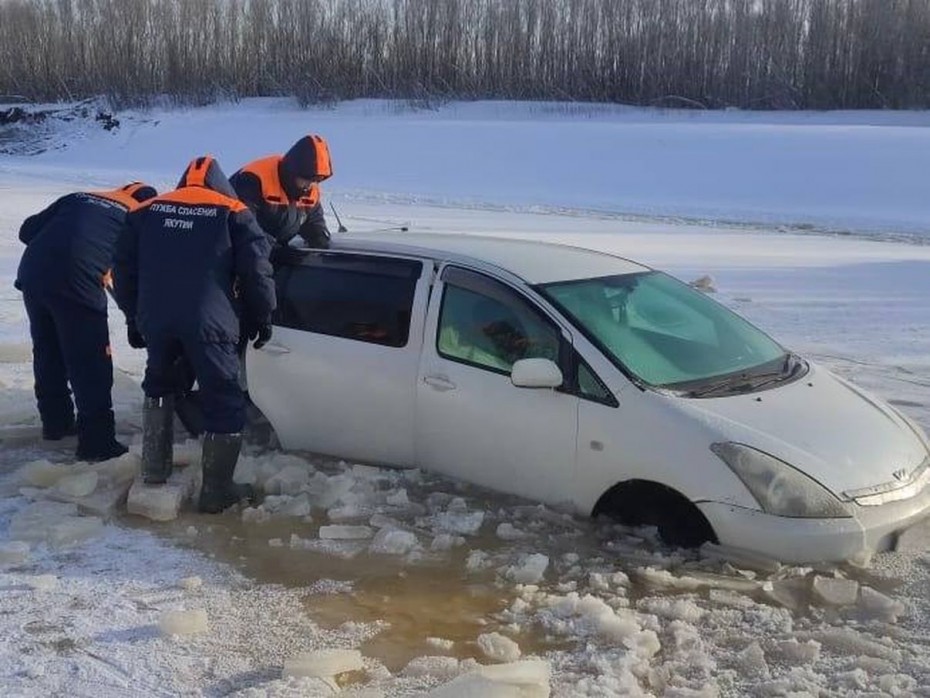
<point x="368" y="299"/>
<point x="590" y="386"/>
<point x="492" y="331"/>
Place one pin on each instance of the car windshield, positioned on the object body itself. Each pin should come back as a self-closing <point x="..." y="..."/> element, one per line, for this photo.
<point x="667" y="334"/>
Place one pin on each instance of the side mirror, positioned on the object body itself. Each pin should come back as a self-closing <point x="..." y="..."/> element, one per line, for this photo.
<point x="536" y="373"/>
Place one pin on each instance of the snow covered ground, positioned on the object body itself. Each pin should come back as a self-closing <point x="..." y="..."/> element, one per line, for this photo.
<point x="814" y="226"/>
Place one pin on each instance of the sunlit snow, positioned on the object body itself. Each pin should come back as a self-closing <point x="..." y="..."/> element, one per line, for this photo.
<point x="401" y="583"/>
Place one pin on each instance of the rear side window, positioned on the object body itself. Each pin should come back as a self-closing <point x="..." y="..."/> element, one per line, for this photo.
<point x="368" y="299"/>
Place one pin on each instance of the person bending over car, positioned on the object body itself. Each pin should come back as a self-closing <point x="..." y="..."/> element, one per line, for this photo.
<point x="192" y="274"/>
<point x="63" y="275"/>
<point x="284" y="192"/>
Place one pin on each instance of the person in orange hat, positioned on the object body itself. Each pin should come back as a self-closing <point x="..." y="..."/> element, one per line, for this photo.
<point x="283" y="191"/>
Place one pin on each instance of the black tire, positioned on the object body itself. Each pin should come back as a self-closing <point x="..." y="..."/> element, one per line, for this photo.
<point x="640" y="503"/>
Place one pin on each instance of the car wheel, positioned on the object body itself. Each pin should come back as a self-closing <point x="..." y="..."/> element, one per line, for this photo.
<point x="643" y="503"/>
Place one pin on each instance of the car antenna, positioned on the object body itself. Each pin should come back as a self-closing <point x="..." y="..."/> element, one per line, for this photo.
<point x="342" y="228"/>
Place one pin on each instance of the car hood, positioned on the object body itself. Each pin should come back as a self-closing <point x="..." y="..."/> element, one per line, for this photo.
<point x="838" y="434"/>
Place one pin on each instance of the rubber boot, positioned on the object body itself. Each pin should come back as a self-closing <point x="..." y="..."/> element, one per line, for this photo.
<point x="219" y="492"/>
<point x="157" y="439"/>
<point x="97" y="438"/>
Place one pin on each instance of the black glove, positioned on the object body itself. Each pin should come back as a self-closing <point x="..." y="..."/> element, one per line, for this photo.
<point x="261" y="335"/>
<point x="318" y="238"/>
<point x="136" y="340"/>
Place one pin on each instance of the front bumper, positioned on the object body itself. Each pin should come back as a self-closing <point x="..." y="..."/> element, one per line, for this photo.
<point x="870" y="529"/>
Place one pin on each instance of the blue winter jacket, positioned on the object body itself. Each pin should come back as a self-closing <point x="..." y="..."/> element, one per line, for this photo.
<point x="69" y="245"/>
<point x="193" y="262"/>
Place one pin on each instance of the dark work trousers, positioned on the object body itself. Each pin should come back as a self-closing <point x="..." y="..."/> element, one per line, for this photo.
<point x="71" y="344"/>
<point x="216" y="367"/>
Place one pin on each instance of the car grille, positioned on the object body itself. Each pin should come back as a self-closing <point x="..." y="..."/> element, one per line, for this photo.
<point x="893" y="491"/>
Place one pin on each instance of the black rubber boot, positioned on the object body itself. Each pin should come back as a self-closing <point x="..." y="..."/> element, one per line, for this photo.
<point x="219" y="492"/>
<point x="97" y="438"/>
<point x="157" y="439"/>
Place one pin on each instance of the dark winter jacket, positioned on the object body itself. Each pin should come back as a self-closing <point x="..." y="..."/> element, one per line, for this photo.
<point x="268" y="187"/>
<point x="69" y="245"/>
<point x="192" y="262"/>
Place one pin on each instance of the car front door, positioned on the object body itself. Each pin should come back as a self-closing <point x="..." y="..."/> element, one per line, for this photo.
<point x="339" y="374"/>
<point x="472" y="422"/>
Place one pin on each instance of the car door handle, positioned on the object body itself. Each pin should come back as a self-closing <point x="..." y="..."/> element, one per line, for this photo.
<point x="440" y="383"/>
<point x="275" y="348"/>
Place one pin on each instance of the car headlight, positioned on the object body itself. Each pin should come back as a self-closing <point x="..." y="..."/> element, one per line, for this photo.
<point x="779" y="488"/>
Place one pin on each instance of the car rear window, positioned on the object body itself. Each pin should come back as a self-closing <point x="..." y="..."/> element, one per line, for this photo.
<point x="368" y="299"/>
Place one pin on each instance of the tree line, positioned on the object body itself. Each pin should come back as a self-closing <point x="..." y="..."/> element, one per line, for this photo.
<point x="751" y="54"/>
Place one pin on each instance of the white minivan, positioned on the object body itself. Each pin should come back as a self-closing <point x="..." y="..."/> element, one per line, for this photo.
<point x="586" y="381"/>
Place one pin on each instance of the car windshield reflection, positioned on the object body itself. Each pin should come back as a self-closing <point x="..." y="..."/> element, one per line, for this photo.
<point x="665" y="334"/>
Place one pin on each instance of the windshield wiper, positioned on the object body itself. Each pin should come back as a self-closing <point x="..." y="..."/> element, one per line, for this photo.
<point x="792" y="366"/>
<point x="747" y="382"/>
<point x="733" y="384"/>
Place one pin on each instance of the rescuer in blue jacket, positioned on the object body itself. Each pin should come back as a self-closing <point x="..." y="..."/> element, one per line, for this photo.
<point x="63" y="274"/>
<point x="191" y="273"/>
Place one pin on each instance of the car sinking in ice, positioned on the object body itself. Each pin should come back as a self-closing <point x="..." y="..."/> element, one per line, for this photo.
<point x="586" y="381"/>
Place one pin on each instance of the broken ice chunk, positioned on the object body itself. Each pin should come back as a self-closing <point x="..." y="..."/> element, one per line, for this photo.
<point x="477" y="560"/>
<point x="530" y="570"/>
<point x="323" y="664"/>
<point x="397" y="498"/>
<point x="41" y="473"/>
<point x="875" y="604"/>
<point x="289" y="480"/>
<point x="440" y="643"/>
<point x="498" y="647"/>
<point x="438" y="667"/>
<point x="835" y="591"/>
<point x="790" y="593"/>
<point x="254" y="515"/>
<point x="346" y="532"/>
<point x="446" y="541"/>
<point x="183" y="622"/>
<point x="751" y="662"/>
<point x="79" y="485"/>
<point x="325" y="492"/>
<point x="793" y="652"/>
<point x="461" y="523"/>
<point x="286" y="505"/>
<point x="507" y="531"/>
<point x="392" y="541"/>
<point x="161" y="502"/>
<point x="526" y="679"/>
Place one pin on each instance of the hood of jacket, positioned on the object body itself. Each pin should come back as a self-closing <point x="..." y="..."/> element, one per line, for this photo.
<point x="206" y="172"/>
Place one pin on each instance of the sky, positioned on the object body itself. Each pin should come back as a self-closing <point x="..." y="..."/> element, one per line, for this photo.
<point x="815" y="226"/>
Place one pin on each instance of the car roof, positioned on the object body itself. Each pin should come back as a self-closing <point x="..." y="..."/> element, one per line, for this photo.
<point x="534" y="261"/>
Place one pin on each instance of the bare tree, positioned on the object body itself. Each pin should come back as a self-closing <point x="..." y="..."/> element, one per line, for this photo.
<point x="782" y="54"/>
